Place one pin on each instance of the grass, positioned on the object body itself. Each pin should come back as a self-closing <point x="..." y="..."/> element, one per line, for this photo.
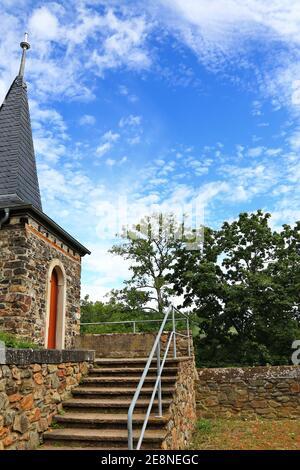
<point x="204" y="426"/>
<point x="56" y="425"/>
<point x="237" y="434"/>
<point x="12" y="341"/>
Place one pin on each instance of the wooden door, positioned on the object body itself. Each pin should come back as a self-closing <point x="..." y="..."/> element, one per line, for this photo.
<point x="53" y="310"/>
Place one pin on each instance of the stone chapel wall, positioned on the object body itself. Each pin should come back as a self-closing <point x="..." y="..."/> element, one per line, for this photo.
<point x="26" y="251"/>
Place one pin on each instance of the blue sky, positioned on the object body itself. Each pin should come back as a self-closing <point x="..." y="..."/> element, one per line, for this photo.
<point x="141" y="106"/>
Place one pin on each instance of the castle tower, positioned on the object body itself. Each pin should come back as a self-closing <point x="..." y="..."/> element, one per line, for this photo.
<point x="40" y="263"/>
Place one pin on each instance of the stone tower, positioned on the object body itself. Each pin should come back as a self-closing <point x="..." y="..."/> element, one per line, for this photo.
<point x="40" y="263"/>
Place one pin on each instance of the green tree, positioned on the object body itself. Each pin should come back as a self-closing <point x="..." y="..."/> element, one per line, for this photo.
<point x="244" y="286"/>
<point x="116" y="309"/>
<point x="151" y="248"/>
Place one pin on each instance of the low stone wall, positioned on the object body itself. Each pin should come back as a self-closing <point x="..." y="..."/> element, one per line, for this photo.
<point x="126" y="344"/>
<point x="182" y="411"/>
<point x="269" y="392"/>
<point x="31" y="392"/>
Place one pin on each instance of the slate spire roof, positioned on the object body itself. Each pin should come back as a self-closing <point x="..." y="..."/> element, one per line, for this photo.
<point x="18" y="175"/>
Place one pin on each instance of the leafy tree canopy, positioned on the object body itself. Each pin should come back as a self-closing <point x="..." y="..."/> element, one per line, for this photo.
<point x="245" y="287"/>
<point x="151" y="247"/>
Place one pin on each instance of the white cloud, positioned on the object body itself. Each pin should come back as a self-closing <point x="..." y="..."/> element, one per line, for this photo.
<point x="255" y="151"/>
<point x="123" y="160"/>
<point x="111" y="136"/>
<point x="273" y="152"/>
<point x="95" y="290"/>
<point x="123" y="90"/>
<point x="231" y="20"/>
<point x="44" y="25"/>
<point x="124" y="46"/>
<point x="130" y="121"/>
<point x="221" y="33"/>
<point x="69" y="40"/>
<point x="102" y="149"/>
<point x="134" y="140"/>
<point x="110" y="162"/>
<point x="109" y="270"/>
<point x="87" y="120"/>
<point x="294" y="139"/>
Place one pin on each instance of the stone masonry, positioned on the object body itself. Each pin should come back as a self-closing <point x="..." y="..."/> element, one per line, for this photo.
<point x="129" y="344"/>
<point x="26" y="250"/>
<point x="182" y="411"/>
<point x="269" y="392"/>
<point x="30" y="395"/>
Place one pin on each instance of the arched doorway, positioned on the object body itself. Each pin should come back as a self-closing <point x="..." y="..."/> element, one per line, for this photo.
<point x="56" y="295"/>
<point x="53" y="310"/>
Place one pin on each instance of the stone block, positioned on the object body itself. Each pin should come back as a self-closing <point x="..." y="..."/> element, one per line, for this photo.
<point x="3" y="432"/>
<point x="43" y="425"/>
<point x="27" y="402"/>
<point x="9" y="440"/>
<point x="283" y="399"/>
<point x="3" y="400"/>
<point x="295" y="387"/>
<point x="21" y="423"/>
<point x="38" y="378"/>
<point x="15" y="397"/>
<point x="34" y="440"/>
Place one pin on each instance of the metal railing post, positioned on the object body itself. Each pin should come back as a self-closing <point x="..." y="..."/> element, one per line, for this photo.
<point x="130" y="432"/>
<point x="159" y="382"/>
<point x="134" y="327"/>
<point x="188" y="335"/>
<point x="174" y="333"/>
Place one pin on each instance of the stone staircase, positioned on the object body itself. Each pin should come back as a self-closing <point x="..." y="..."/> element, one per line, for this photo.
<point x="96" y="416"/>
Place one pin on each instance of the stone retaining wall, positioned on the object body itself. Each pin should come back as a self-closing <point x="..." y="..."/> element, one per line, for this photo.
<point x="127" y="344"/>
<point x="31" y="394"/>
<point x="269" y="392"/>
<point x="182" y="411"/>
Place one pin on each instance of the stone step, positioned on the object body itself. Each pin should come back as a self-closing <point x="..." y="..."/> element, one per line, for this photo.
<point x="109" y="405"/>
<point x="102" y="438"/>
<point x="124" y="392"/>
<point x="96" y="417"/>
<point x="120" y="371"/>
<point x="129" y="381"/>
<point x="107" y="420"/>
<point x="130" y="362"/>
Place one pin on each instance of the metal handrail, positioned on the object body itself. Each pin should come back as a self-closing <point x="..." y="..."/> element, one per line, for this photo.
<point x="157" y="385"/>
<point x="132" y="322"/>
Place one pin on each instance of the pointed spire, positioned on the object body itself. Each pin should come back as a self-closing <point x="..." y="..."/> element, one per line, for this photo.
<point x="25" y="46"/>
<point x="18" y="175"/>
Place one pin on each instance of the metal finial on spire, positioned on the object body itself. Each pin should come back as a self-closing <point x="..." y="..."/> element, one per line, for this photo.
<point x="25" y="46"/>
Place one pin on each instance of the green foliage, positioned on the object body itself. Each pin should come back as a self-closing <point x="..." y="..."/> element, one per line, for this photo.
<point x="115" y="311"/>
<point x="151" y="247"/>
<point x="245" y="288"/>
<point x="12" y="341"/>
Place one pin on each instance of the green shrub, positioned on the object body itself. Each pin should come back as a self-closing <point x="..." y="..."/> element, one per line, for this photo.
<point x="12" y="341"/>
